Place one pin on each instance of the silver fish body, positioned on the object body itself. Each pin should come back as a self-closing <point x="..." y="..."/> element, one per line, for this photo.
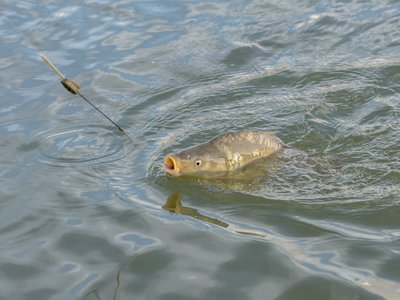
<point x="225" y="153"/>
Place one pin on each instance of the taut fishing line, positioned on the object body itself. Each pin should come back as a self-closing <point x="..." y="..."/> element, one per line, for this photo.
<point x="74" y="88"/>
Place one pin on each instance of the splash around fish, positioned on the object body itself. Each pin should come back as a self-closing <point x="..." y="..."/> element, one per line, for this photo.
<point x="223" y="154"/>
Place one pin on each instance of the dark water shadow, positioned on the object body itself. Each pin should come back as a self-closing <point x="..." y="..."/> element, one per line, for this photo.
<point x="174" y="205"/>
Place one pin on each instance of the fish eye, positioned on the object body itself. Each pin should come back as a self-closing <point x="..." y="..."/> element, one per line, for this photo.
<point x="197" y="162"/>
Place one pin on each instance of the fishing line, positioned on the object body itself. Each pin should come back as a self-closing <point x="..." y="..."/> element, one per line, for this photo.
<point x="74" y="88"/>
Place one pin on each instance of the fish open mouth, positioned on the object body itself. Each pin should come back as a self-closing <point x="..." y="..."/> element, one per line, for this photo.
<point x="171" y="165"/>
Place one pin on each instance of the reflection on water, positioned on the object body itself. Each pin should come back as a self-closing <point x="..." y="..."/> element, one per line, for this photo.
<point x="174" y="205"/>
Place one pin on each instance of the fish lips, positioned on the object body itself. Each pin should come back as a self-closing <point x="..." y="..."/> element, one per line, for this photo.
<point x="172" y="165"/>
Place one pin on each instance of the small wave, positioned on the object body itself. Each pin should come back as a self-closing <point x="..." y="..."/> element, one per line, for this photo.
<point x="77" y="146"/>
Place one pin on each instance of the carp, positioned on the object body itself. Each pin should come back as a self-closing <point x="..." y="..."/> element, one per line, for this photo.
<point x="223" y="154"/>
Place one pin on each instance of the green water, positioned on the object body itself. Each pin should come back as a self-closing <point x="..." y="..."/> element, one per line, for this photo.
<point x="87" y="213"/>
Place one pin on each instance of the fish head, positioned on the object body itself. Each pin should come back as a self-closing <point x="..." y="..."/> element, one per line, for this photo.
<point x="194" y="163"/>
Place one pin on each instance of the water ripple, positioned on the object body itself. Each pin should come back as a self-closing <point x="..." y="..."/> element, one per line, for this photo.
<point x="77" y="146"/>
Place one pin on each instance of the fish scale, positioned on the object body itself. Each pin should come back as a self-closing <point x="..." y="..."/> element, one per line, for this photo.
<point x="225" y="153"/>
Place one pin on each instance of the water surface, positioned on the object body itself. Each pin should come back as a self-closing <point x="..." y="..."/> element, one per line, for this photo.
<point x="87" y="213"/>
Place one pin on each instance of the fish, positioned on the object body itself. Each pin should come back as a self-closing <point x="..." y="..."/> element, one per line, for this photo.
<point x="223" y="154"/>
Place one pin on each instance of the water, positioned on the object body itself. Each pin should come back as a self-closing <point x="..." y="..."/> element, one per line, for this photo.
<point x="87" y="213"/>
